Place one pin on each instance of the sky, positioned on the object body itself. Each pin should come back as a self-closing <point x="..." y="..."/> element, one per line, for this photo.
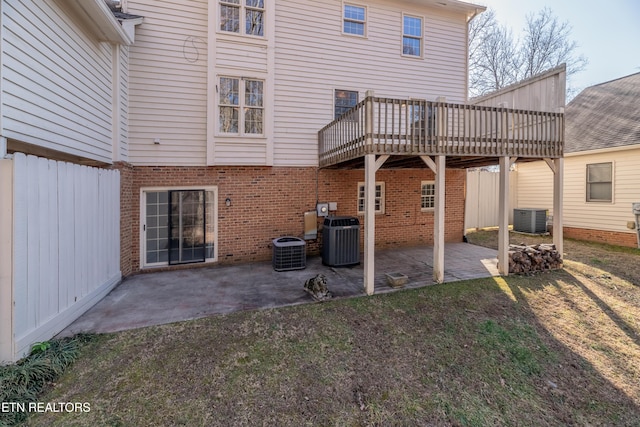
<point x="607" y="32"/>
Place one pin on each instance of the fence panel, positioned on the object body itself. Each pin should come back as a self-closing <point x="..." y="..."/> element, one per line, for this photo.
<point x="482" y="197"/>
<point x="66" y="244"/>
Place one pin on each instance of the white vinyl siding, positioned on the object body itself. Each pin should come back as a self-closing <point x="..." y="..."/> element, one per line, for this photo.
<point x="124" y="103"/>
<point x="535" y="190"/>
<point x="314" y="51"/>
<point x="174" y="58"/>
<point x="168" y="84"/>
<point x="56" y="88"/>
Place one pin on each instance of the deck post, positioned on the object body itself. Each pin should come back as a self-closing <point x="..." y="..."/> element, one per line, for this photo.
<point x="558" y="184"/>
<point x="369" y="222"/>
<point x="503" y="216"/>
<point x="438" y="220"/>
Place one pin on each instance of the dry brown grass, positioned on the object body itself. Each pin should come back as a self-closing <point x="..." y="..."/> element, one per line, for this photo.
<point x="559" y="348"/>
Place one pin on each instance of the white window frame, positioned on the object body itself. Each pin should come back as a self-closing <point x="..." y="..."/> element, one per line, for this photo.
<point x="424" y="197"/>
<point x="419" y="38"/>
<point x="143" y="216"/>
<point x="241" y="106"/>
<point x="242" y="7"/>
<point x="587" y="183"/>
<point x="357" y="21"/>
<point x="335" y="92"/>
<point x="379" y="199"/>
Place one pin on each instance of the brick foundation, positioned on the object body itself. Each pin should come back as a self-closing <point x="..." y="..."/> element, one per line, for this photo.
<point x="610" y="237"/>
<point x="269" y="202"/>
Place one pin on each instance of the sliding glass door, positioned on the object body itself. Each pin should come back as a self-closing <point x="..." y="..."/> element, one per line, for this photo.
<point x="186" y="226"/>
<point x="178" y="226"/>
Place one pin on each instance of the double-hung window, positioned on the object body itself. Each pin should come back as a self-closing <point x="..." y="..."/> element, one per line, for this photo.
<point x="241" y="106"/>
<point x="344" y="100"/>
<point x="600" y="182"/>
<point x="242" y="17"/>
<point x="411" y="35"/>
<point x="428" y="196"/>
<point x="354" y="20"/>
<point x="378" y="198"/>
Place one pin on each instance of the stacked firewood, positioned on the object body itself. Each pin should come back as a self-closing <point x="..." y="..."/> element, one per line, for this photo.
<point x="541" y="257"/>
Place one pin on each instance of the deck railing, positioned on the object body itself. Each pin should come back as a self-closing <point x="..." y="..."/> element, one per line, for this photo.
<point x="416" y="127"/>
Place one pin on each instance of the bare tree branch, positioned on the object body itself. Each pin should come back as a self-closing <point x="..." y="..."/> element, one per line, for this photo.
<point x="497" y="60"/>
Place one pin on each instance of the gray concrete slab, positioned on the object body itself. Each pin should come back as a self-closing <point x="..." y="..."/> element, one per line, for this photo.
<point x="171" y="296"/>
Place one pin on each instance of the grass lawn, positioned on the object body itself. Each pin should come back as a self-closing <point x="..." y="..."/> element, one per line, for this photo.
<point x="557" y="348"/>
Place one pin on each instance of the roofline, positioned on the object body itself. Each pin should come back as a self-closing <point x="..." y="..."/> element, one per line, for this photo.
<point x="100" y="19"/>
<point x="613" y="80"/>
<point x="470" y="9"/>
<point x="601" y="150"/>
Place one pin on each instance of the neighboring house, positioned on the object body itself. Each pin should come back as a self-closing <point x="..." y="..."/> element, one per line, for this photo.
<point x="225" y="122"/>
<point x="602" y="154"/>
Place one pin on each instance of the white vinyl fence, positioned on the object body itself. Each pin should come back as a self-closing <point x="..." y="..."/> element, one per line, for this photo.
<point x="481" y="201"/>
<point x="66" y="245"/>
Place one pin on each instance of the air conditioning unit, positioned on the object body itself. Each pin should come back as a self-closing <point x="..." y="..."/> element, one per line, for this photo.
<point x="532" y="221"/>
<point x="341" y="241"/>
<point x="289" y="253"/>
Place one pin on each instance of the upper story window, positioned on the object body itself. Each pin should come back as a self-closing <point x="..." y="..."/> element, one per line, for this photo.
<point x="411" y="36"/>
<point x="354" y="20"/>
<point x="241" y="106"/>
<point x="247" y="15"/>
<point x="344" y="101"/>
<point x="600" y="182"/>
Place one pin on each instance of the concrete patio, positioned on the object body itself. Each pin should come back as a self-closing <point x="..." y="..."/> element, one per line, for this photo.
<point x="172" y="296"/>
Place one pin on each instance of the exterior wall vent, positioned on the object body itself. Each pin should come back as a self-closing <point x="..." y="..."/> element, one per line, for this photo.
<point x="341" y="241"/>
<point x="530" y="220"/>
<point x="289" y="253"/>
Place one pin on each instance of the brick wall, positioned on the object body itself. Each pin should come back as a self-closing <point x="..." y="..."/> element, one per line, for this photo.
<point x="403" y="223"/>
<point x="126" y="217"/>
<point x="610" y="237"/>
<point x="269" y="202"/>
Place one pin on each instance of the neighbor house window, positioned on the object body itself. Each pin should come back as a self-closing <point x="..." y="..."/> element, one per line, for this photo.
<point x="354" y="20"/>
<point x="411" y="35"/>
<point x="344" y="101"/>
<point x="246" y="16"/>
<point x="428" y="195"/>
<point x="600" y="182"/>
<point x="241" y="106"/>
<point x="379" y="197"/>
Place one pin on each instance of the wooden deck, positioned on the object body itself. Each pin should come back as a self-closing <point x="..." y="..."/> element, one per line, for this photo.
<point x="468" y="135"/>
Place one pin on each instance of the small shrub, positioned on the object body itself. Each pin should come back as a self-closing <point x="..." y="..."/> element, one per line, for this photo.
<point x="23" y="381"/>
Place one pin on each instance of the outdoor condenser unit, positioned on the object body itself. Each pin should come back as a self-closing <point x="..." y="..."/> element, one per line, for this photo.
<point x="289" y="253"/>
<point x="530" y="220"/>
<point x="341" y="241"/>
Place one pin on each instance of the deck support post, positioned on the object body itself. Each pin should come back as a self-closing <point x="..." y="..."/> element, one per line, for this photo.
<point x="371" y="165"/>
<point x="558" y="223"/>
<point x="369" y="222"/>
<point x="503" y="217"/>
<point x="438" y="220"/>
